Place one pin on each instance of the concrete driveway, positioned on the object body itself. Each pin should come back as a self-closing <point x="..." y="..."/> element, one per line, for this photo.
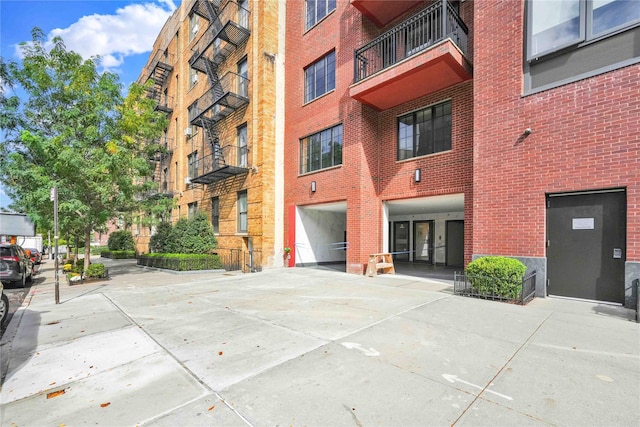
<point x="307" y="347"/>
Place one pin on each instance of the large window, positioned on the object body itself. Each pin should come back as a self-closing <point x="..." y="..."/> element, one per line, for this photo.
<point x="243" y="155"/>
<point x="194" y="25"/>
<point x="425" y="131"/>
<point x="556" y="24"/>
<point x="215" y="214"/>
<point x="242" y="212"/>
<point x="243" y="80"/>
<point x="318" y="9"/>
<point x="320" y="77"/>
<point x="321" y="150"/>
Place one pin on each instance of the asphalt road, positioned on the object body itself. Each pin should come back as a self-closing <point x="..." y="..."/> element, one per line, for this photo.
<point x="16" y="294"/>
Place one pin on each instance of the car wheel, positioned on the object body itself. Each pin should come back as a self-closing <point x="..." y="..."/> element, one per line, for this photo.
<point x="4" y="309"/>
<point x="23" y="280"/>
<point x="30" y="278"/>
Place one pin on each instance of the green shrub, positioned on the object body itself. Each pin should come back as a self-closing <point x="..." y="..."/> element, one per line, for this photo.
<point x="96" y="270"/>
<point x="161" y="239"/>
<point x="192" y="236"/>
<point x="497" y="275"/>
<point x="181" y="262"/>
<point x="121" y="241"/>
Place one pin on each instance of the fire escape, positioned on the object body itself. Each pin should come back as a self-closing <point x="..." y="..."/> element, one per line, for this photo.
<point x="160" y="70"/>
<point x="227" y="29"/>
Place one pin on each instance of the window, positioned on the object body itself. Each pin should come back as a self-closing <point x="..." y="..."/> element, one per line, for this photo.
<point x="554" y="25"/>
<point x="243" y="79"/>
<point x="193" y="77"/>
<point x="318" y="9"/>
<point x="194" y="21"/>
<point x="321" y="150"/>
<point x="320" y="77"/>
<point x="191" y="130"/>
<point x="193" y="164"/>
<point x="425" y="131"/>
<point x="242" y="211"/>
<point x="243" y="158"/>
<point x="215" y="214"/>
<point x="193" y="208"/>
<point x="243" y="13"/>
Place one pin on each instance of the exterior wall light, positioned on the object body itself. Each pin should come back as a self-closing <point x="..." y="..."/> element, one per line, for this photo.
<point x="313" y="186"/>
<point x="416" y="175"/>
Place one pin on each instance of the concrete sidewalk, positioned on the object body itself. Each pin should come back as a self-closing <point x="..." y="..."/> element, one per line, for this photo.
<point x="311" y="347"/>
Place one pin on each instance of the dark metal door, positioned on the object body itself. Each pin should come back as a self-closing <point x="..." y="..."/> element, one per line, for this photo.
<point x="401" y="241"/>
<point x="455" y="243"/>
<point x="586" y="244"/>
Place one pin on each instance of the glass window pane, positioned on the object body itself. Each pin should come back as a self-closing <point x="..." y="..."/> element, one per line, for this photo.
<point x="612" y="14"/>
<point x="320" y="78"/>
<point x="405" y="137"/>
<point x="311" y="13"/>
<point x="326" y="148"/>
<point x="309" y="84"/>
<point x="337" y="145"/>
<point x="554" y="24"/>
<point x="331" y="71"/>
<point x="314" y="146"/>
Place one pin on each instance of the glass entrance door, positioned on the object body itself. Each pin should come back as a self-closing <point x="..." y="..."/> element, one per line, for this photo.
<point x="401" y="241"/>
<point x="423" y="241"/>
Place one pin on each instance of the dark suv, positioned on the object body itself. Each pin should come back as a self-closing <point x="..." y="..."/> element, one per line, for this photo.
<point x="15" y="266"/>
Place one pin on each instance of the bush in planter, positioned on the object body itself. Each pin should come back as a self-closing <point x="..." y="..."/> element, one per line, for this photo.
<point x="161" y="239"/>
<point x="496" y="275"/>
<point x="192" y="236"/>
<point x="96" y="270"/>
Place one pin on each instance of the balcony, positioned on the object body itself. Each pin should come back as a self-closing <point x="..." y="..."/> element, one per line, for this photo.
<point x="422" y="55"/>
<point x="226" y="31"/>
<point x="230" y="94"/>
<point x="381" y="12"/>
<point x="223" y="163"/>
<point x="165" y="103"/>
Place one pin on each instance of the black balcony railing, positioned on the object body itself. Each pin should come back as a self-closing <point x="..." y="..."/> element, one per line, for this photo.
<point x="222" y="163"/>
<point x="231" y="92"/>
<point x="165" y="103"/>
<point x="418" y="33"/>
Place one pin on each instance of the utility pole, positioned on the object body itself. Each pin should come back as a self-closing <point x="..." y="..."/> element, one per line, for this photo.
<point x="54" y="198"/>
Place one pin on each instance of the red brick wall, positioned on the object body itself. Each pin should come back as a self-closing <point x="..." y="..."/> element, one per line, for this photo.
<point x="584" y="136"/>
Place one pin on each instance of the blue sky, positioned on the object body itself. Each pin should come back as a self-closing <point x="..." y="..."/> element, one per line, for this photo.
<point x="120" y="32"/>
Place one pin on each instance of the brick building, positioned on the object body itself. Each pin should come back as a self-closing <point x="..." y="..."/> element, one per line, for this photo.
<point x="214" y="67"/>
<point x="379" y="148"/>
<point x="446" y="130"/>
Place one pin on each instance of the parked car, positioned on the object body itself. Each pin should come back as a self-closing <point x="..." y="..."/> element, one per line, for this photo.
<point x="4" y="306"/>
<point x="15" y="266"/>
<point x="36" y="256"/>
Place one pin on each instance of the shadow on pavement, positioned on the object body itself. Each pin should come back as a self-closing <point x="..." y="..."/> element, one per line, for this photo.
<point x="29" y="323"/>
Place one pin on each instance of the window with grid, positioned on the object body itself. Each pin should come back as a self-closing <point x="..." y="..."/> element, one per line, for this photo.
<point x="242" y="212"/>
<point x="321" y="150"/>
<point x="425" y="131"/>
<point x="215" y="214"/>
<point x="318" y="9"/>
<point x="243" y="80"/>
<point x="320" y="77"/>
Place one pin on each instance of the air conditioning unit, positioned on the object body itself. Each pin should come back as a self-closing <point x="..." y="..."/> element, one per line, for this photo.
<point x="194" y="79"/>
<point x="188" y="132"/>
<point x="187" y="180"/>
<point x="195" y="28"/>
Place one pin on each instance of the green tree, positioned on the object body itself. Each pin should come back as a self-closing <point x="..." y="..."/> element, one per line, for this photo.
<point x="75" y="131"/>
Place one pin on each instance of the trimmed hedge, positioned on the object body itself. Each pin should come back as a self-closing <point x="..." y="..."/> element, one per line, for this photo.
<point x="497" y="276"/>
<point x="121" y="240"/>
<point x="181" y="262"/>
<point x="118" y="254"/>
<point x="96" y="270"/>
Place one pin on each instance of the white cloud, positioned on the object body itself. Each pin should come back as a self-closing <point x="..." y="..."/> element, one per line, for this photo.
<point x="130" y="31"/>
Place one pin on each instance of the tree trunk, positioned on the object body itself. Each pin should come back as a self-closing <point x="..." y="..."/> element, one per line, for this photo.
<point x="87" y="249"/>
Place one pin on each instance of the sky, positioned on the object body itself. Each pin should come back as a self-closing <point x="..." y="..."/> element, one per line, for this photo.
<point x="120" y="32"/>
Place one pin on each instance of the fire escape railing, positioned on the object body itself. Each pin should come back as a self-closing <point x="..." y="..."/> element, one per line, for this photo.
<point x="160" y="162"/>
<point x="431" y="25"/>
<point x="160" y="69"/>
<point x="228" y="28"/>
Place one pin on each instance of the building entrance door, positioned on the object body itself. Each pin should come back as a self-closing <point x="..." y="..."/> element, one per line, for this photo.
<point x="423" y="241"/>
<point x="401" y="241"/>
<point x="586" y="242"/>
